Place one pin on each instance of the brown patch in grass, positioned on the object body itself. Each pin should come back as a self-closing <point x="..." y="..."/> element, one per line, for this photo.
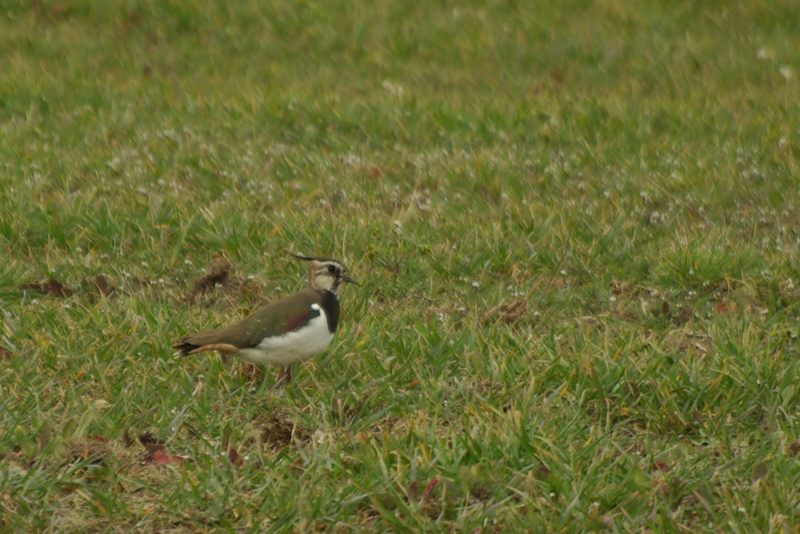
<point x="278" y="432"/>
<point x="49" y="287"/>
<point x="72" y="508"/>
<point x="220" y="274"/>
<point x="684" y="340"/>
<point x="98" y="286"/>
<point x="93" y="450"/>
<point x="242" y="369"/>
<point x="234" y="457"/>
<point x="5" y="354"/>
<point x="509" y="313"/>
<point x="794" y="448"/>
<point x="683" y="315"/>
<point x="624" y="315"/>
<point x="16" y="462"/>
<point x="555" y="282"/>
<point x="374" y="170"/>
<point x="156" y="452"/>
<point x="239" y="290"/>
<point x="217" y="273"/>
<point x="147" y="439"/>
<point x="425" y="498"/>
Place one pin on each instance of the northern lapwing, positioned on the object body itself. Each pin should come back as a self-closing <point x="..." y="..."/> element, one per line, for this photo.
<point x="285" y="332"/>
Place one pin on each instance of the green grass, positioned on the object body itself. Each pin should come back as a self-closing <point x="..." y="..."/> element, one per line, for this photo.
<point x="629" y="170"/>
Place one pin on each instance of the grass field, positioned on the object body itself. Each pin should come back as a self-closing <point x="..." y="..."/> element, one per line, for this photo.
<point x="576" y="223"/>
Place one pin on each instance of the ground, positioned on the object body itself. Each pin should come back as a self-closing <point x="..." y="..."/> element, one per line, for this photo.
<point x="576" y="223"/>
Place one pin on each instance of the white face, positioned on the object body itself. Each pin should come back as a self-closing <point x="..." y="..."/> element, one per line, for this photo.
<point x="326" y="275"/>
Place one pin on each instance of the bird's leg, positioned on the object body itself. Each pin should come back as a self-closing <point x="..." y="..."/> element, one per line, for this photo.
<point x="285" y="376"/>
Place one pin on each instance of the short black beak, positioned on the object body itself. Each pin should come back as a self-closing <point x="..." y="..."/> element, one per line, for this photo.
<point x="348" y="279"/>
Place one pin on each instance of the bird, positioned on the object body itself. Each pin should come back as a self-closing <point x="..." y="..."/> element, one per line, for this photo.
<point x="285" y="332"/>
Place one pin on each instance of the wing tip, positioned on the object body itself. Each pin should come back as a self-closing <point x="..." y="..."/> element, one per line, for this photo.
<point x="187" y="348"/>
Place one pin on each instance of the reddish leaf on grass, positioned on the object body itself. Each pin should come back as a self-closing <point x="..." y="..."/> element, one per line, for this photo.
<point x="156" y="452"/>
<point x="721" y="307"/>
<point x="160" y="456"/>
<point x="413" y="491"/>
<point x="542" y="472"/>
<point x="234" y="457"/>
<point x="660" y="466"/>
<point x="428" y="491"/>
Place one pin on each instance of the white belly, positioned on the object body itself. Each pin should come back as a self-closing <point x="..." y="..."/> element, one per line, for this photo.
<point x="293" y="347"/>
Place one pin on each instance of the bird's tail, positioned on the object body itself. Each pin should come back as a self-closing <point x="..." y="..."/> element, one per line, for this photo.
<point x="184" y="346"/>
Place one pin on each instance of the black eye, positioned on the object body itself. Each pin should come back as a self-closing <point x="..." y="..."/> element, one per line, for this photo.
<point x="331" y="269"/>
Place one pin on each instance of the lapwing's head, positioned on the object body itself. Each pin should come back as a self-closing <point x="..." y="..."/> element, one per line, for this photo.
<point x="325" y="273"/>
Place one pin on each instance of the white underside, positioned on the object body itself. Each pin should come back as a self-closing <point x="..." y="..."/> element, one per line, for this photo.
<point x="293" y="347"/>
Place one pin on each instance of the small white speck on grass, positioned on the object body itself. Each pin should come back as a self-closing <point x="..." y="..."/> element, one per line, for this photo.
<point x="187" y="261"/>
<point x="321" y="437"/>
<point x="562" y="272"/>
<point x="786" y="72"/>
<point x="393" y="88"/>
<point x="475" y="285"/>
<point x="763" y="54"/>
<point x="102" y="404"/>
<point x="612" y="298"/>
<point x="656" y="217"/>
<point x="783" y="143"/>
